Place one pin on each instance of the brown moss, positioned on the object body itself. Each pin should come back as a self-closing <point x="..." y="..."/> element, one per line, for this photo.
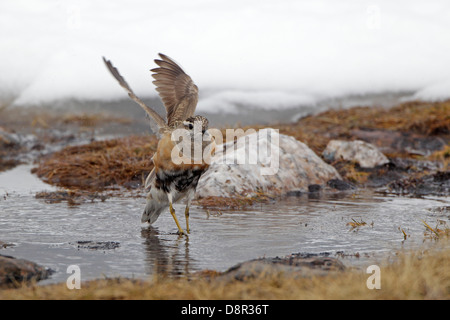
<point x="124" y="161"/>
<point x="91" y="120"/>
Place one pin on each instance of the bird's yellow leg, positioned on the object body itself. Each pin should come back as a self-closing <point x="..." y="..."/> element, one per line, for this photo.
<point x="172" y="211"/>
<point x="190" y="196"/>
<point x="186" y="213"/>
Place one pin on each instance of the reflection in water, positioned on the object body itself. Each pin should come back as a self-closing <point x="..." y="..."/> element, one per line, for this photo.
<point x="164" y="258"/>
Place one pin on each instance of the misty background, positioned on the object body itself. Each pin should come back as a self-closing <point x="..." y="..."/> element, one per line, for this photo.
<point x="271" y="56"/>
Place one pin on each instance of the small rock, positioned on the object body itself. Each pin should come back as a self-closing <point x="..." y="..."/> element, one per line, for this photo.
<point x="8" y="139"/>
<point x="294" y="167"/>
<point x="365" y="154"/>
<point x="13" y="272"/>
<point x="314" y="188"/>
<point x="340" y="185"/>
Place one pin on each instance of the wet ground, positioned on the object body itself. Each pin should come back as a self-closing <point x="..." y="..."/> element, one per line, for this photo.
<point x="106" y="238"/>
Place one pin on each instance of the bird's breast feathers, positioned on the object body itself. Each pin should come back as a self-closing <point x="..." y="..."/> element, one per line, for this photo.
<point x="167" y="149"/>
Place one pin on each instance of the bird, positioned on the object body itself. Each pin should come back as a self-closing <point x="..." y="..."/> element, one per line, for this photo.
<point x="170" y="181"/>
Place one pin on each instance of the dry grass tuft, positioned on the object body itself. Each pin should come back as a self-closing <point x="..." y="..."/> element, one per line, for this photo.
<point x="354" y="224"/>
<point x="441" y="230"/>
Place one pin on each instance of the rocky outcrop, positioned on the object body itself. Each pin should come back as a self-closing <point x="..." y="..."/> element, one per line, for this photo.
<point x="14" y="272"/>
<point x="365" y="154"/>
<point x="265" y="161"/>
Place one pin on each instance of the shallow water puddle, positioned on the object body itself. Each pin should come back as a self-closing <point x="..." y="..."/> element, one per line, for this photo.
<point x="20" y="180"/>
<point x="106" y="239"/>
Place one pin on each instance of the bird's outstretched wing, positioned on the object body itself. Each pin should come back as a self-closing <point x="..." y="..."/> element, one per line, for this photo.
<point x="176" y="89"/>
<point x="158" y="120"/>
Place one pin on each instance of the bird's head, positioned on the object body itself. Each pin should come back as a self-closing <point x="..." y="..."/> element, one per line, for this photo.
<point x="192" y="135"/>
<point x="196" y="124"/>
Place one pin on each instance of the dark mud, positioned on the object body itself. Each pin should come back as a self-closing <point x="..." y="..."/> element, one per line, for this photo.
<point x="97" y="245"/>
<point x="432" y="184"/>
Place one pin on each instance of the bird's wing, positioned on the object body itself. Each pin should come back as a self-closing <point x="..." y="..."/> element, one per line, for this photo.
<point x="149" y="179"/>
<point x="176" y="89"/>
<point x="158" y="120"/>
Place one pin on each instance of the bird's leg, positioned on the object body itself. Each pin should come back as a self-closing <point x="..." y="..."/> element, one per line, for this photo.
<point x="172" y="212"/>
<point x="186" y="211"/>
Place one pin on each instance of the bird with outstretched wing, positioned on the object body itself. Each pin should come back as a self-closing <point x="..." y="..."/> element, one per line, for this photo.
<point x="171" y="181"/>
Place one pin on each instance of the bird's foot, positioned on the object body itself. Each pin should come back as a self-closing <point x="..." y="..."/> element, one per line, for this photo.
<point x="182" y="233"/>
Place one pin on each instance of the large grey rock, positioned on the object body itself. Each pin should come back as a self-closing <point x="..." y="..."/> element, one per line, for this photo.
<point x="289" y="165"/>
<point x="365" y="154"/>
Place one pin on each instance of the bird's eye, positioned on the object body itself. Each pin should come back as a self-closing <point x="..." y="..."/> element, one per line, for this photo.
<point x="191" y="126"/>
